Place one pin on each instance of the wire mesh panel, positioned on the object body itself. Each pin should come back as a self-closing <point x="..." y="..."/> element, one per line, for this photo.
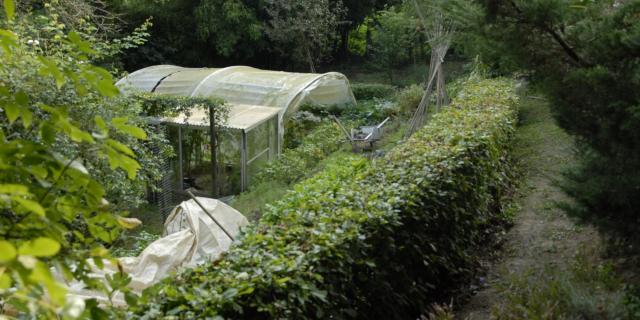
<point x="261" y="147"/>
<point x="167" y="183"/>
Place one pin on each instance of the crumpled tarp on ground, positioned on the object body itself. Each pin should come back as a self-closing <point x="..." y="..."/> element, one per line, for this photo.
<point x="191" y="237"/>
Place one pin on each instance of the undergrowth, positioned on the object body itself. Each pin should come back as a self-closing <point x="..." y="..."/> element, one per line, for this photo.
<point x="586" y="289"/>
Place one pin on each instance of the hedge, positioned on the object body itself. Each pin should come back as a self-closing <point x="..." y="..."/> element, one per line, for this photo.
<point x="366" y="240"/>
<point x="368" y="91"/>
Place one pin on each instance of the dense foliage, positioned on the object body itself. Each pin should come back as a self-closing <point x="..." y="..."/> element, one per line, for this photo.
<point x="314" y="146"/>
<point x="585" y="55"/>
<point x="368" y="91"/>
<point x="272" y="34"/>
<point x="71" y="152"/>
<point x="367" y="240"/>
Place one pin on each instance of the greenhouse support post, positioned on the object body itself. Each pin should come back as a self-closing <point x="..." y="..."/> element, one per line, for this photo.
<point x="180" y="174"/>
<point x="214" y="156"/>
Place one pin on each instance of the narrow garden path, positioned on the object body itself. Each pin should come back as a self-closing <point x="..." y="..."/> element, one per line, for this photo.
<point x="542" y="236"/>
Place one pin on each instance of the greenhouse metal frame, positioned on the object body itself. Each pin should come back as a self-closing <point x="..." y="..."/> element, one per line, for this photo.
<point x="259" y="101"/>
<point x="241" y="85"/>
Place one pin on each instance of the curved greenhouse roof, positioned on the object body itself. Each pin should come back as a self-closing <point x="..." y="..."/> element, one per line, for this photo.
<point x="240" y="85"/>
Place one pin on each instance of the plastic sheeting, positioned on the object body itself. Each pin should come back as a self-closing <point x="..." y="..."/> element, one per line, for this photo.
<point x="240" y="85"/>
<point x="244" y="85"/>
<point x="191" y="238"/>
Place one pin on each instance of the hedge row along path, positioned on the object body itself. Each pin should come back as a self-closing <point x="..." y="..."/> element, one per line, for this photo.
<point x="366" y="239"/>
<point x="542" y="235"/>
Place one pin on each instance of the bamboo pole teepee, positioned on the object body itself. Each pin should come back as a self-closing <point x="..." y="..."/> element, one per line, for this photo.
<point x="439" y="37"/>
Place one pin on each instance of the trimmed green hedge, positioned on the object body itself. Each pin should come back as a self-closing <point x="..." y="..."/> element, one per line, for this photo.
<point x="368" y="91"/>
<point x="367" y="240"/>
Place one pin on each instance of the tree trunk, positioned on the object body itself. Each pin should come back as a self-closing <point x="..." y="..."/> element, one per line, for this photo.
<point x="312" y="68"/>
<point x="367" y="42"/>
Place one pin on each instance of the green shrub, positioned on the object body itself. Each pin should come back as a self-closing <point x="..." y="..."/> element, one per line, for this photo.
<point x="409" y="98"/>
<point x="293" y="164"/>
<point x="366" y="111"/>
<point x="360" y="239"/>
<point x="298" y="127"/>
<point x="368" y="91"/>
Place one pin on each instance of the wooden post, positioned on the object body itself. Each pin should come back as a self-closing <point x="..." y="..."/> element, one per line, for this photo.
<point x="214" y="154"/>
<point x="243" y="159"/>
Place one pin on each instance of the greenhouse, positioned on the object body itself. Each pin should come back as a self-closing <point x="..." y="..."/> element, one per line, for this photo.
<point x="259" y="102"/>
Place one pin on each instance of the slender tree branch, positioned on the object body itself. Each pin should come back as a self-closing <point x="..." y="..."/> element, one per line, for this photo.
<point x="566" y="47"/>
<point x="569" y="51"/>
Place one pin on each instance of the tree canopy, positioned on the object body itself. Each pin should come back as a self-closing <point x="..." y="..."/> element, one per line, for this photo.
<point x="585" y="56"/>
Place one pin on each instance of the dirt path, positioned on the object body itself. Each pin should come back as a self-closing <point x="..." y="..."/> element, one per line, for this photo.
<point x="542" y="235"/>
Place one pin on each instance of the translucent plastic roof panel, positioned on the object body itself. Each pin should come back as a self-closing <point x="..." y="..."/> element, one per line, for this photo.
<point x="242" y="85"/>
<point x="146" y="79"/>
<point x="241" y="116"/>
<point x="183" y="82"/>
<point x="245" y="85"/>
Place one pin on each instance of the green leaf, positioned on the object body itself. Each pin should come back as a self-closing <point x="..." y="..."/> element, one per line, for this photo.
<point x="40" y="247"/>
<point x="120" y="124"/>
<point x="107" y="88"/>
<point x="30" y="205"/>
<point x="101" y="124"/>
<point x="80" y="44"/>
<point x="5" y="281"/>
<point x="15" y="189"/>
<point x="22" y="99"/>
<point x="42" y="275"/>
<point x="51" y="69"/>
<point x="27" y="117"/>
<point x="7" y="251"/>
<point x="9" y="9"/>
<point x="229" y="293"/>
<point x="120" y="147"/>
<point x="48" y="132"/>
<point x="12" y="111"/>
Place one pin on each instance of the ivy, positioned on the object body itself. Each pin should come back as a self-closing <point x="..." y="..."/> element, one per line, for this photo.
<point x="161" y="105"/>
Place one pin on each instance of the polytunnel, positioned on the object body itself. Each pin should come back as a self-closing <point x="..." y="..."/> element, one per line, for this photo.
<point x="259" y="102"/>
<point x="241" y="85"/>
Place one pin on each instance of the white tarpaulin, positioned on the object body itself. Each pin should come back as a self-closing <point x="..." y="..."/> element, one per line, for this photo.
<point x="191" y="237"/>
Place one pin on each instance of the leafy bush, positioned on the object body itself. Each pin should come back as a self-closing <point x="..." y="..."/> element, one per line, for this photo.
<point x="369" y="91"/>
<point x="293" y="164"/>
<point x="409" y="98"/>
<point x="298" y="127"/>
<point x="366" y="111"/>
<point x="67" y="144"/>
<point x="382" y="239"/>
